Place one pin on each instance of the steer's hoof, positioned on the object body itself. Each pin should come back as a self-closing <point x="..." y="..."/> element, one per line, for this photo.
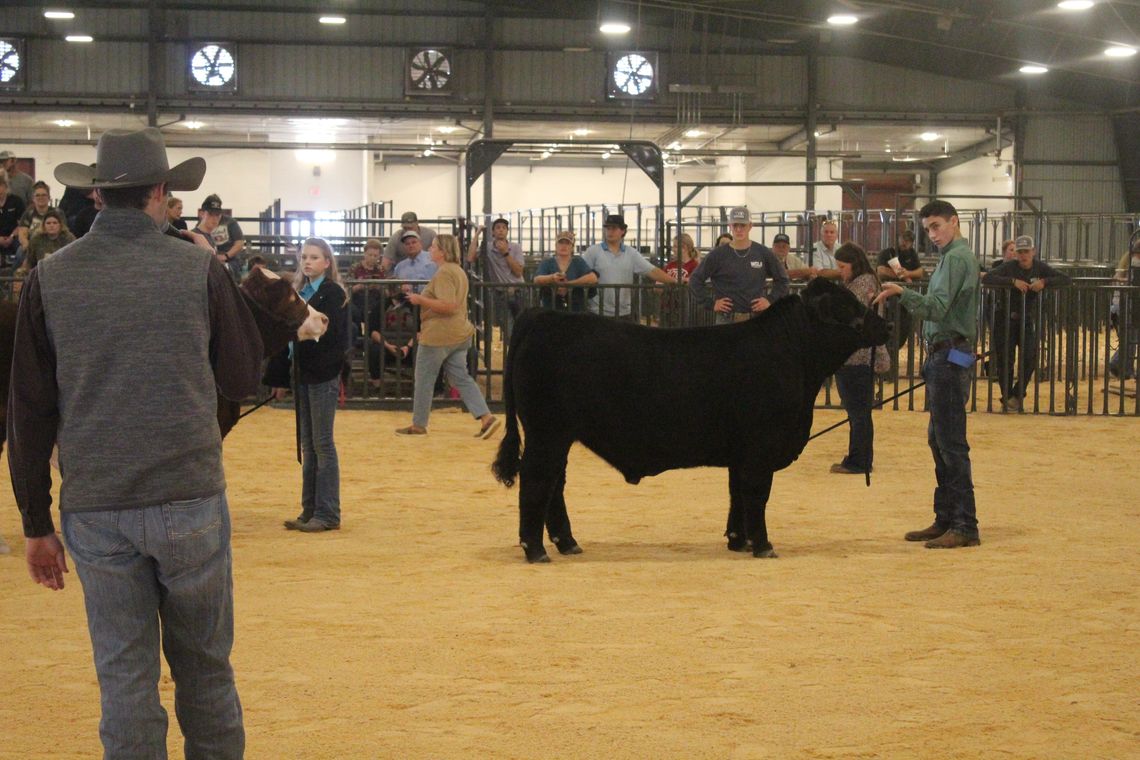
<point x="764" y="551"/>
<point x="737" y="543"/>
<point x="534" y="554"/>
<point x="567" y="545"/>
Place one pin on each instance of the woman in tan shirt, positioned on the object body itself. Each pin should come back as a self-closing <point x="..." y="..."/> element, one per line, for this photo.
<point x="445" y="337"/>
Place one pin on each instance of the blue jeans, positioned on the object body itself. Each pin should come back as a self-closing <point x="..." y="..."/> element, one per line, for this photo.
<point x="162" y="571"/>
<point x="320" y="467"/>
<point x="453" y="359"/>
<point x="856" y="386"/>
<point x="947" y="389"/>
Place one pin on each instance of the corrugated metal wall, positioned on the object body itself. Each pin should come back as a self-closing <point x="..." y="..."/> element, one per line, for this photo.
<point x="855" y="84"/>
<point x="1070" y="186"/>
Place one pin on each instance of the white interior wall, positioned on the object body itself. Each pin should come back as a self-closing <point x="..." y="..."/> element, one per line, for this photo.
<point x="249" y="180"/>
<point x="981" y="177"/>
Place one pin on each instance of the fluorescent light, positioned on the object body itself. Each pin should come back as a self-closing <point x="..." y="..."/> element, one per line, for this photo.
<point x="1120" y="51"/>
<point x="64" y="123"/>
<point x="693" y="133"/>
<point x="546" y="154"/>
<point x="193" y="124"/>
<point x="929" y="136"/>
<point x="61" y="15"/>
<point x="581" y="131"/>
<point x="1033" y="68"/>
<point x="332" y="20"/>
<point x="614" y="27"/>
<point x="446" y="129"/>
<point x="79" y="38"/>
<point x="842" y="19"/>
<point x="606" y="155"/>
<point x="1075" y="5"/>
<point x="427" y="152"/>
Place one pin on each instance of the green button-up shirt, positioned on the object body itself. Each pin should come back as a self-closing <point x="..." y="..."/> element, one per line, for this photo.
<point x="950" y="305"/>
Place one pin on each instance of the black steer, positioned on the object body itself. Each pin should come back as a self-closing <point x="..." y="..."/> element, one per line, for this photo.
<point x="647" y="400"/>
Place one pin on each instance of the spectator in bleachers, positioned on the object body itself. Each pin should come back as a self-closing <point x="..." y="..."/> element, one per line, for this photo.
<point x="51" y="235"/>
<point x="445" y="338"/>
<point x="1127" y="273"/>
<point x="503" y="262"/>
<point x="73" y="202"/>
<point x="740" y="275"/>
<point x="19" y="184"/>
<point x="11" y="209"/>
<point x="1015" y="314"/>
<point x="823" y="258"/>
<point x="856" y="378"/>
<point x="86" y="214"/>
<point x="416" y="265"/>
<point x="367" y="298"/>
<point x="1007" y="254"/>
<point x="395" y="251"/>
<point x="723" y="238"/>
<point x="906" y="265"/>
<point x="612" y="262"/>
<point x="793" y="264"/>
<point x="392" y="330"/>
<point x="313" y="368"/>
<point x="209" y="217"/>
<point x="34" y="214"/>
<point x="174" y="213"/>
<point x="681" y="267"/>
<point x="557" y="272"/>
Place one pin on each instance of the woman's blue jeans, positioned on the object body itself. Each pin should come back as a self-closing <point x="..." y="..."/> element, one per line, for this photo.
<point x="320" y="468"/>
<point x="453" y="359"/>
<point x="857" y="390"/>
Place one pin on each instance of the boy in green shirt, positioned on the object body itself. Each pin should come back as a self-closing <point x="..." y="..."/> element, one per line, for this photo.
<point x="950" y="311"/>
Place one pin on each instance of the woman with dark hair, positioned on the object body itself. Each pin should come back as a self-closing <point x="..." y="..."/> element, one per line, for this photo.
<point x="316" y="366"/>
<point x="856" y="378"/>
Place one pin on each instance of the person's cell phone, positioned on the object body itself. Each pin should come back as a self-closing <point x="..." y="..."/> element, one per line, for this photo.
<point x="961" y="358"/>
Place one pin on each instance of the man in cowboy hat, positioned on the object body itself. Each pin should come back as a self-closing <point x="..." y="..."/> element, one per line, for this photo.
<point x="121" y="339"/>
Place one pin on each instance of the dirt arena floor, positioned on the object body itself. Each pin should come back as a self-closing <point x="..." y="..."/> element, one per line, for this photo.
<point x="418" y="631"/>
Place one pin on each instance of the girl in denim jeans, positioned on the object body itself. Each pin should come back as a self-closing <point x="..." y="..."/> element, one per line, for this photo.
<point x="315" y="368"/>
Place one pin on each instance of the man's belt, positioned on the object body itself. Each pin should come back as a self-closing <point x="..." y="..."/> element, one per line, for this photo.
<point x="942" y="345"/>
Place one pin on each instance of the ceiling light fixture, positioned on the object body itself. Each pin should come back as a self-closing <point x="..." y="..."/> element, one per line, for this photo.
<point x="693" y="133"/>
<point x="546" y="154"/>
<point x="606" y="155"/>
<point x="614" y="28"/>
<point x="1033" y="68"/>
<point x="79" y="38"/>
<point x="59" y="15"/>
<point x="333" y="20"/>
<point x="64" y="123"/>
<point x="674" y="145"/>
<point x="1075" y="5"/>
<point x="842" y="19"/>
<point x="1120" y="51"/>
<point x="446" y="129"/>
<point x="581" y="131"/>
<point x="929" y="136"/>
<point x="193" y="124"/>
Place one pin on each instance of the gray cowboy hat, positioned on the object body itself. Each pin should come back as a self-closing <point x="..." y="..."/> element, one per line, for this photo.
<point x="125" y="158"/>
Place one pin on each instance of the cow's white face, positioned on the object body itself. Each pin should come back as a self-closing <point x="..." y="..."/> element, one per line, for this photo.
<point x="314" y="326"/>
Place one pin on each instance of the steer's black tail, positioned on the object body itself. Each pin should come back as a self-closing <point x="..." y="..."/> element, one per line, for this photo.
<point x="507" y="463"/>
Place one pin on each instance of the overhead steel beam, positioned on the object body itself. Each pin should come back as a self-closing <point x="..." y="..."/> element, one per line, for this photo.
<point x="969" y="153"/>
